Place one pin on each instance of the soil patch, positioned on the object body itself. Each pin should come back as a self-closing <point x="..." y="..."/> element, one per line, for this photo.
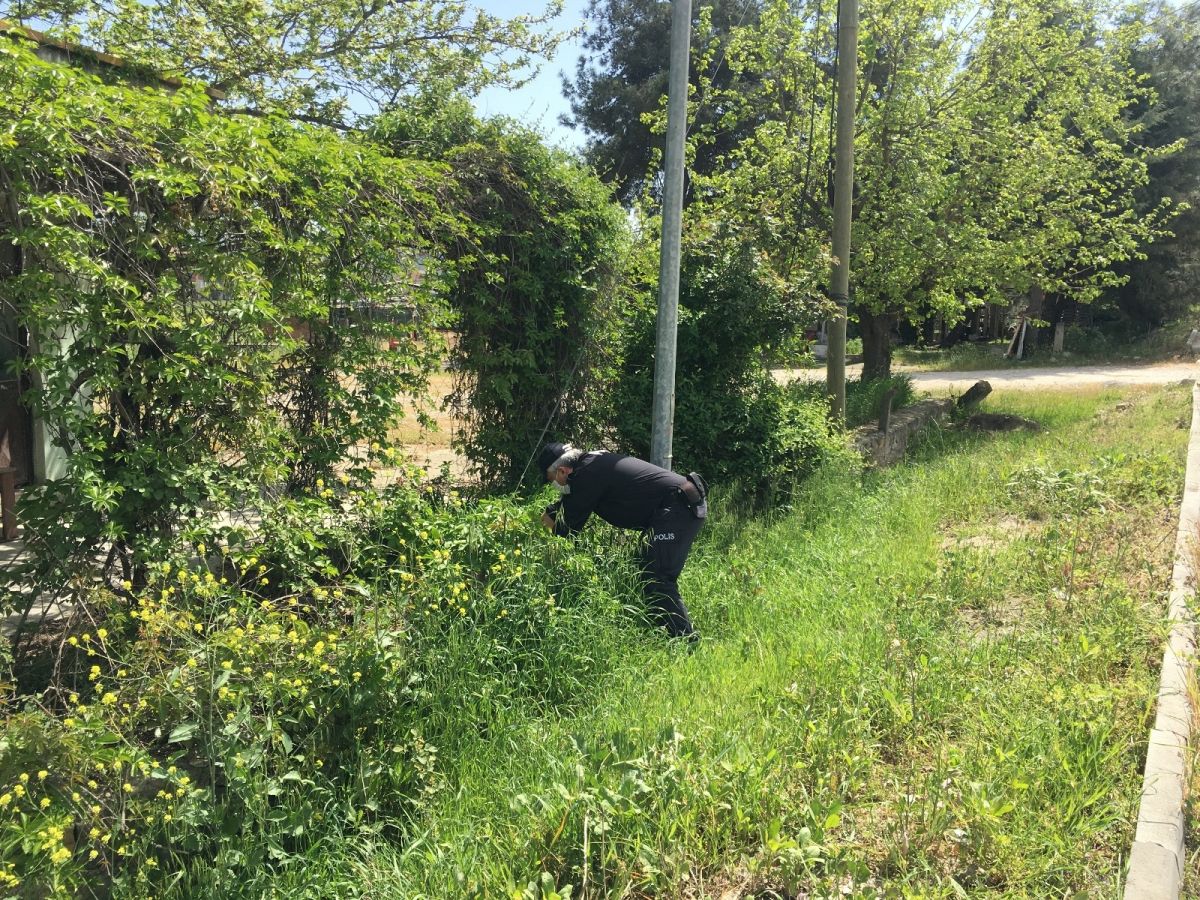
<point x="1002" y="422"/>
<point x="995" y="535"/>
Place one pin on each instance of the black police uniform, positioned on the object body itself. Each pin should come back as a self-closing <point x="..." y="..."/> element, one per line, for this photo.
<point x="631" y="493"/>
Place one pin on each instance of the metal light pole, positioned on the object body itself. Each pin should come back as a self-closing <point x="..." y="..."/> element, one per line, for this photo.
<point x="843" y="197"/>
<point x="663" y="420"/>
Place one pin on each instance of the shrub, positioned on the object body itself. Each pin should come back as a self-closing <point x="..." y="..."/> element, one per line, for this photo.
<point x="732" y="421"/>
<point x="235" y="716"/>
<point x="538" y="281"/>
<point x="864" y="398"/>
<point x="1088" y="340"/>
<point x="183" y="284"/>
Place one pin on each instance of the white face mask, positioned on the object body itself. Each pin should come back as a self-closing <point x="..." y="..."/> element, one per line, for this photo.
<point x="563" y="489"/>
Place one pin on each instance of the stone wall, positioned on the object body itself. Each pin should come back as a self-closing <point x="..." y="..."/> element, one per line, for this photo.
<point x="888" y="449"/>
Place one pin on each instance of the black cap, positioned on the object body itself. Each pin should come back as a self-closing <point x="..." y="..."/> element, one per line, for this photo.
<point x="549" y="454"/>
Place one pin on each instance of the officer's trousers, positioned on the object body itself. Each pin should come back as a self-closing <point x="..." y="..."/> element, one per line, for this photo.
<point x="670" y="537"/>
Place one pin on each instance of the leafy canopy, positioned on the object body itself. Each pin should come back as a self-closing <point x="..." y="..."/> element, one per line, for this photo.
<point x="993" y="151"/>
<point x="312" y="59"/>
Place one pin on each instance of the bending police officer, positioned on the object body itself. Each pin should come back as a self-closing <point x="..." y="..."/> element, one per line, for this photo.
<point x="631" y="493"/>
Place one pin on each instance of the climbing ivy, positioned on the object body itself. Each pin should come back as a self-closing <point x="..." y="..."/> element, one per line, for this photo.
<point x="209" y="302"/>
<point x="538" y="296"/>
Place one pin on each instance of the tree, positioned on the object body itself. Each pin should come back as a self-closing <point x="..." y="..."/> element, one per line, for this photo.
<point x="1161" y="286"/>
<point x="620" y="83"/>
<point x="308" y="59"/>
<point x="993" y="154"/>
<point x="184" y="280"/>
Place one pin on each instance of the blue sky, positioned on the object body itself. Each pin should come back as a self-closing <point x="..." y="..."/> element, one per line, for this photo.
<point x="540" y="102"/>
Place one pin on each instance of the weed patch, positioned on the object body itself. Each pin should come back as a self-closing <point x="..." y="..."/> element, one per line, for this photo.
<point x="931" y="680"/>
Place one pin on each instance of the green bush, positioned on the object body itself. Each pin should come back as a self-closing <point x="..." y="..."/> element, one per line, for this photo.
<point x="1088" y="341"/>
<point x="297" y="688"/>
<point x="538" y="280"/>
<point x="186" y="282"/>
<point x="732" y="421"/>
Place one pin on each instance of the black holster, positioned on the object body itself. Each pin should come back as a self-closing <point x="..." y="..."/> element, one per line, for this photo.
<point x="695" y="492"/>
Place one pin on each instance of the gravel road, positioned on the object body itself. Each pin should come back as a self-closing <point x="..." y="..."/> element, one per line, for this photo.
<point x="1026" y="379"/>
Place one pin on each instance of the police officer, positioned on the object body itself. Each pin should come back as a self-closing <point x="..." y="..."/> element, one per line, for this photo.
<point x="631" y="493"/>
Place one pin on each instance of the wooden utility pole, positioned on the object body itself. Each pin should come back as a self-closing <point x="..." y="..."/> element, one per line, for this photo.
<point x="663" y="420"/>
<point x="843" y="198"/>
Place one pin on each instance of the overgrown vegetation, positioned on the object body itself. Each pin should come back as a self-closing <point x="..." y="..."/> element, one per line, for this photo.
<point x="197" y="292"/>
<point x="1081" y="346"/>
<point x="936" y="677"/>
<point x="276" y="679"/>
<point x="537" y="299"/>
<point x="864" y="399"/>
<point x="243" y="707"/>
<point x="732" y="420"/>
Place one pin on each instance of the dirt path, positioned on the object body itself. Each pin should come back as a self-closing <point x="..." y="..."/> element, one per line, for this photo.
<point x="1025" y="379"/>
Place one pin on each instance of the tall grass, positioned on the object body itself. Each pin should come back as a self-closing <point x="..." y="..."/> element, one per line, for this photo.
<point x="1083" y="345"/>
<point x="927" y="681"/>
<point x="934" y="681"/>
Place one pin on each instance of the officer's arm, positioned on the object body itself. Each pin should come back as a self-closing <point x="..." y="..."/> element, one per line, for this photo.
<point x="574" y="509"/>
<point x="575" y="513"/>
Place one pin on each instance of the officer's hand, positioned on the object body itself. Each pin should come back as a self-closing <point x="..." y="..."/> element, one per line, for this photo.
<point x="548" y="521"/>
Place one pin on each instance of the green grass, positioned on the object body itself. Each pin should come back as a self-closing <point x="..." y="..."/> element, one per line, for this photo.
<point x="1084" y="346"/>
<point x="960" y="358"/>
<point x="935" y="681"/>
<point x="926" y="681"/>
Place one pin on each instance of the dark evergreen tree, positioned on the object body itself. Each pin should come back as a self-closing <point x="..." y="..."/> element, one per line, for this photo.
<point x="1161" y="287"/>
<point x="622" y="76"/>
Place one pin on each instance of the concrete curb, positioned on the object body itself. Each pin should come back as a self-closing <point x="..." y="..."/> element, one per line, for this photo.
<point x="1157" y="858"/>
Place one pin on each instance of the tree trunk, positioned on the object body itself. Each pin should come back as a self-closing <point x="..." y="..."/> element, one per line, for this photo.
<point x="957" y="334"/>
<point x="877" y="343"/>
<point x="929" y="331"/>
<point x="1036" y="310"/>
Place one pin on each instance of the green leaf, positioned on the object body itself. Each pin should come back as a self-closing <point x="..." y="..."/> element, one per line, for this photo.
<point x="183" y="733"/>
